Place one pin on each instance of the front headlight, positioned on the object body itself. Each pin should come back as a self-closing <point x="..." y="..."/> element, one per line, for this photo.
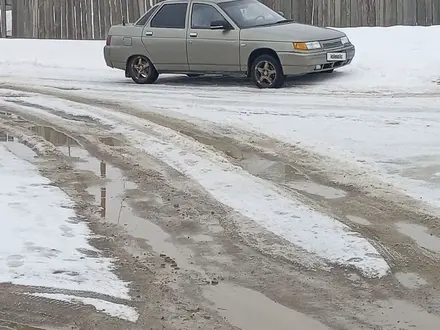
<point x="307" y="45"/>
<point x="345" y="40"/>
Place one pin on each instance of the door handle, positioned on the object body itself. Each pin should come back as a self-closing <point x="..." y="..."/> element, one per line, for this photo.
<point x="149" y="33"/>
<point x="193" y="34"/>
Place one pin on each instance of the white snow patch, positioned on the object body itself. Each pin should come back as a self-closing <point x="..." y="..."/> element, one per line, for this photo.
<point x="391" y="58"/>
<point x="254" y="198"/>
<point x="115" y="310"/>
<point x="46" y="59"/>
<point x="41" y="241"/>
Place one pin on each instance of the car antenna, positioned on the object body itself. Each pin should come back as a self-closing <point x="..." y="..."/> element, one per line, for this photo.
<point x="123" y="20"/>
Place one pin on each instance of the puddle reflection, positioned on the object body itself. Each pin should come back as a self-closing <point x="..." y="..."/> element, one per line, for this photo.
<point x="5" y="137"/>
<point x="73" y="149"/>
<point x="55" y="137"/>
<point x="103" y="170"/>
<point x="17" y="147"/>
<point x="111" y="191"/>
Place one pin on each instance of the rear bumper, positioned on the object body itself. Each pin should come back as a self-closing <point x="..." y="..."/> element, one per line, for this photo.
<point x="296" y="63"/>
<point x="107" y="56"/>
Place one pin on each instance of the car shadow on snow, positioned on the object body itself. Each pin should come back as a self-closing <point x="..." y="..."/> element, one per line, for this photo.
<point x="228" y="81"/>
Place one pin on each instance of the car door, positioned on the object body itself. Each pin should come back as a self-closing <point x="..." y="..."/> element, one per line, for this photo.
<point x="211" y="50"/>
<point x="164" y="37"/>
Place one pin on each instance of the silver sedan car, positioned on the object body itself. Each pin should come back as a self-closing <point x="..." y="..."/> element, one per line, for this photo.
<point x="197" y="37"/>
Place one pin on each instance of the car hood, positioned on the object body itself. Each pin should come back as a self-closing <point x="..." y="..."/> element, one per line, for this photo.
<point x="289" y="32"/>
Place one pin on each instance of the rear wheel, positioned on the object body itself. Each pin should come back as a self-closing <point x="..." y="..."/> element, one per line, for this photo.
<point x="142" y="71"/>
<point x="266" y="72"/>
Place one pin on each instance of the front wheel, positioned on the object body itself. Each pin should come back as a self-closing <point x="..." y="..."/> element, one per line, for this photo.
<point x="142" y="71"/>
<point x="266" y="72"/>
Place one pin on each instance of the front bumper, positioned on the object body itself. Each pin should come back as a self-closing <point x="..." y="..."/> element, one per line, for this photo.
<point x="107" y="56"/>
<point x="298" y="63"/>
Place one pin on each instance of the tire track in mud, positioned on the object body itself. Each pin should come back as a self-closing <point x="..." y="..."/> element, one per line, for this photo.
<point x="400" y="251"/>
<point x="239" y="154"/>
<point x="156" y="303"/>
<point x="286" y="171"/>
<point x="395" y="258"/>
<point x="87" y="137"/>
<point x="330" y="171"/>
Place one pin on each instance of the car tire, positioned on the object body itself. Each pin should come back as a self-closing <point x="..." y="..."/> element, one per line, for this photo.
<point x="266" y="72"/>
<point x="142" y="70"/>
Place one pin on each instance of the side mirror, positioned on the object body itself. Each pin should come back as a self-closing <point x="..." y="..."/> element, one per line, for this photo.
<point x="281" y="13"/>
<point x="220" y="25"/>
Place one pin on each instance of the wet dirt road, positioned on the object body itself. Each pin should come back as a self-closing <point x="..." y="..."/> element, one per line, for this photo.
<point x="195" y="263"/>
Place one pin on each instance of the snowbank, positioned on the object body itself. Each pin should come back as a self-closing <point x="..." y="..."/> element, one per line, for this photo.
<point x="109" y="308"/>
<point x="393" y="58"/>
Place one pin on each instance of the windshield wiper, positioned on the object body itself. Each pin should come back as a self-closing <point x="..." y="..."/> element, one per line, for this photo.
<point x="285" y="21"/>
<point x="274" y="23"/>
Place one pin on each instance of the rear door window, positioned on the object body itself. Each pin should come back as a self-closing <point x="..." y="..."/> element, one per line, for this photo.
<point x="144" y="19"/>
<point x="170" y="16"/>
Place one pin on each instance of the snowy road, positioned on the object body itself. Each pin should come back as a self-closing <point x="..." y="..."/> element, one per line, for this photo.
<point x="337" y="172"/>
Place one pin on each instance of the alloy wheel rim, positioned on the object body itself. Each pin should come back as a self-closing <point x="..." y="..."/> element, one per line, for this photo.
<point x="141" y="68"/>
<point x="265" y="73"/>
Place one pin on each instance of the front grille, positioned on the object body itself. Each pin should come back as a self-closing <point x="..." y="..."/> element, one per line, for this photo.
<point x="331" y="43"/>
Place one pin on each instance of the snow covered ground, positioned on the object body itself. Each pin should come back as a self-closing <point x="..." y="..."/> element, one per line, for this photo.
<point x="380" y="114"/>
<point x="42" y="242"/>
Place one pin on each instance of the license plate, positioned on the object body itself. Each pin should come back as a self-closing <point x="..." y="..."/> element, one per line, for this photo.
<point x="334" y="57"/>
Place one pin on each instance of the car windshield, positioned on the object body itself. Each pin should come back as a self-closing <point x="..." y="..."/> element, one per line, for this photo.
<point x="251" y="13"/>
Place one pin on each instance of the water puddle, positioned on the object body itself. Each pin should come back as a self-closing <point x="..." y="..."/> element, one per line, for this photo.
<point x="410" y="280"/>
<point x="11" y="116"/>
<point x="421" y="235"/>
<point x="285" y="173"/>
<point x="271" y="169"/>
<point x="250" y="310"/>
<point x="317" y="189"/>
<point x="5" y="113"/>
<point x="401" y="315"/>
<point x="15" y="146"/>
<point x="112" y="192"/>
<point x="427" y="173"/>
<point x="55" y="137"/>
<point x="201" y="238"/>
<point x="5" y="137"/>
<point x="110" y="141"/>
<point x="30" y="105"/>
<point x="358" y="220"/>
<point x="7" y="325"/>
